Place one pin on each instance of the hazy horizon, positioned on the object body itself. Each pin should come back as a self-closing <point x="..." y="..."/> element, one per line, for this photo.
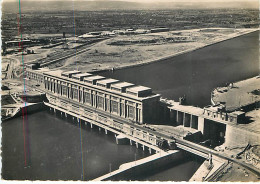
<point x="90" y="5"/>
<point x="145" y="1"/>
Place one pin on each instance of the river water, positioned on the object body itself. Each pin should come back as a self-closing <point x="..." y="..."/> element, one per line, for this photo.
<point x="53" y="151"/>
<point x="197" y="73"/>
<point x="54" y="145"/>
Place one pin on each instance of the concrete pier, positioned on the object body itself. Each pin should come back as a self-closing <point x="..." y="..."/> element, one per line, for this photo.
<point x="207" y="171"/>
<point x="121" y="139"/>
<point x="150" y="150"/>
<point x="143" y="147"/>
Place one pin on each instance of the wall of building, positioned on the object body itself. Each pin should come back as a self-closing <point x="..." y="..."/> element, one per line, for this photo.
<point x="139" y="111"/>
<point x="240" y="137"/>
<point x="110" y="120"/>
<point x="155" y="112"/>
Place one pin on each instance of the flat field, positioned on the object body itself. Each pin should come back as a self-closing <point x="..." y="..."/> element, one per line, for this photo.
<point x="125" y="51"/>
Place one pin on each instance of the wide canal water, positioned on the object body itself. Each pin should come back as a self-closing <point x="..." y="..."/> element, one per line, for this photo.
<point x="53" y="151"/>
<point x="54" y="144"/>
<point x="197" y="73"/>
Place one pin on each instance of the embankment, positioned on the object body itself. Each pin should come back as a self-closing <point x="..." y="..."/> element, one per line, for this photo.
<point x="149" y="61"/>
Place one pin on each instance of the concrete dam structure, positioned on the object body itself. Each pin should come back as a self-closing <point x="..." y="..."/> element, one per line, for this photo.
<point x="128" y="107"/>
<point x="134" y="113"/>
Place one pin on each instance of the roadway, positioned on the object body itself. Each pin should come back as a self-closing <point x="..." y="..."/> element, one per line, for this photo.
<point x="73" y="52"/>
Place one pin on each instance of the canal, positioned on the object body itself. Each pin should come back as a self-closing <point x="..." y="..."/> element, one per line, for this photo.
<point x="197" y="73"/>
<point x="53" y="151"/>
<point x="53" y="146"/>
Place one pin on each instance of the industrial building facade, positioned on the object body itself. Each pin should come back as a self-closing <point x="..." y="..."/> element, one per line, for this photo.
<point x="122" y="104"/>
<point x="124" y="100"/>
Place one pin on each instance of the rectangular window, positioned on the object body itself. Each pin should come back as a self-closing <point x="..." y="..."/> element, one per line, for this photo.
<point x="131" y="113"/>
<point x="114" y="106"/>
<point x="116" y="89"/>
<point x="50" y="86"/>
<point x="64" y="90"/>
<point x="59" y="89"/>
<point x="87" y="98"/>
<point x="100" y="102"/>
<point x="131" y="93"/>
<point x="54" y="87"/>
<point x="75" y="94"/>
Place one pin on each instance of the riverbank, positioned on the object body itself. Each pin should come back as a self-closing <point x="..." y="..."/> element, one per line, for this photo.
<point x="104" y="56"/>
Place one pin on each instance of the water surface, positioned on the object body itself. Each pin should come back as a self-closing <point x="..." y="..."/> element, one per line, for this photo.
<point x="197" y="73"/>
<point x="53" y="150"/>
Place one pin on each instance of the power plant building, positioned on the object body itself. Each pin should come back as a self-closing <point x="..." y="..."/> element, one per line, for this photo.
<point x="93" y="93"/>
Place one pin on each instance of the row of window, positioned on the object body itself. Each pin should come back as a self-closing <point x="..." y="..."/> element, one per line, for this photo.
<point x="97" y="101"/>
<point x="223" y="116"/>
<point x="34" y="76"/>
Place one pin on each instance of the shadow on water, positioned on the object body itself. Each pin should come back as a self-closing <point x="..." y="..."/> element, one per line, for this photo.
<point x="55" y="151"/>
